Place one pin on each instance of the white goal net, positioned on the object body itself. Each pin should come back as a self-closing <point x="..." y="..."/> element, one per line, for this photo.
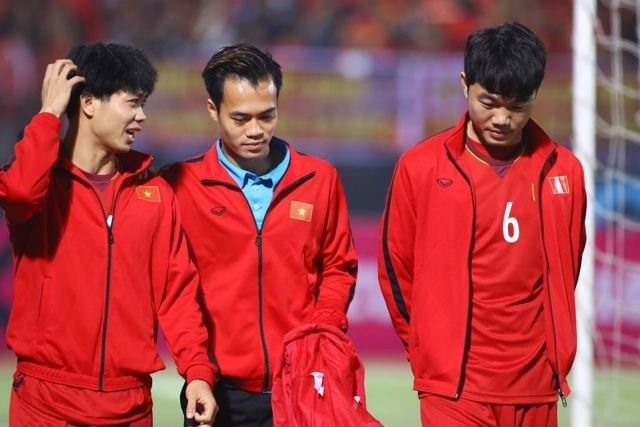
<point x="606" y="115"/>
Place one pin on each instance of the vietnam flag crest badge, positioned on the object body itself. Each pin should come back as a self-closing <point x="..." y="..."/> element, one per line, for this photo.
<point x="559" y="184"/>
<point x="148" y="193"/>
<point x="301" y="211"/>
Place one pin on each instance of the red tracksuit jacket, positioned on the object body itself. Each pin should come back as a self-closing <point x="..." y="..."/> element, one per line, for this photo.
<point x="88" y="297"/>
<point x="426" y="241"/>
<point x="259" y="284"/>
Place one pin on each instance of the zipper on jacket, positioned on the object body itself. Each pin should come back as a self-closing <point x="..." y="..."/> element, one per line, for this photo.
<point x="562" y="398"/>
<point x="547" y="163"/>
<point x="258" y="242"/>
<point x="467" y="335"/>
<point x="108" y="220"/>
<point x="107" y="297"/>
<point x="109" y="229"/>
<point x="263" y="339"/>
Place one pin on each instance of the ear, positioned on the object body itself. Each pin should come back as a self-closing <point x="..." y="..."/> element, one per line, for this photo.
<point x="213" y="111"/>
<point x="87" y="104"/>
<point x="463" y="82"/>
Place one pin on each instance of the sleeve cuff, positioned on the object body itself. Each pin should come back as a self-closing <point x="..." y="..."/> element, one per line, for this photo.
<point x="47" y="119"/>
<point x="331" y="317"/>
<point x="201" y="372"/>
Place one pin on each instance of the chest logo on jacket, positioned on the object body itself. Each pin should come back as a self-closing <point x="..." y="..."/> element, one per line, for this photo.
<point x="148" y="193"/>
<point x="559" y="184"/>
<point x="444" y="182"/>
<point x="300" y="211"/>
<point x="218" y="210"/>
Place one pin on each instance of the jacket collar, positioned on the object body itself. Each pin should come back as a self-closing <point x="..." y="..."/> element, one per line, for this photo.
<point x="214" y="171"/>
<point x="129" y="164"/>
<point x="539" y="148"/>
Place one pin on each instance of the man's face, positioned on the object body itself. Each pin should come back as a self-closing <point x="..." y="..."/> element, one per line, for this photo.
<point x="496" y="120"/>
<point x="115" y="122"/>
<point x="247" y="118"/>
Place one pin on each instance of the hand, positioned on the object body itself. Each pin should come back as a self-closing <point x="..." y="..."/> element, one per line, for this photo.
<point x="201" y="404"/>
<point x="56" y="87"/>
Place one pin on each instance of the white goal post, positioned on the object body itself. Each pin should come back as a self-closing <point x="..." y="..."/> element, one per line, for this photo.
<point x="584" y="137"/>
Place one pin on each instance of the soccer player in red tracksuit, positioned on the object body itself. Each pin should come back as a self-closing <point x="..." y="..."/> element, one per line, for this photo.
<point x="480" y="248"/>
<point x="100" y="258"/>
<point x="268" y="229"/>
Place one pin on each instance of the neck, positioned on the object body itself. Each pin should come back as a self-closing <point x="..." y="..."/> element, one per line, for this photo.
<point x="496" y="151"/>
<point x="86" y="155"/>
<point x="257" y="166"/>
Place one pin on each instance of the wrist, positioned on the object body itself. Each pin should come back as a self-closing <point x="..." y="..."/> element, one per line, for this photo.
<point x="50" y="111"/>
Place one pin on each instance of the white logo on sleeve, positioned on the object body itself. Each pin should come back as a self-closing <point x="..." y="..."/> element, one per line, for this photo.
<point x="559" y="184"/>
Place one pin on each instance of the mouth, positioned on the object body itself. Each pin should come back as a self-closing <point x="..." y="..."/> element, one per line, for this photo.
<point x="499" y="135"/>
<point x="254" y="145"/>
<point x="131" y="134"/>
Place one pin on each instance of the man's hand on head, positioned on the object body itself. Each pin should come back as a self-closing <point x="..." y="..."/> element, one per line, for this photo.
<point x="59" y="79"/>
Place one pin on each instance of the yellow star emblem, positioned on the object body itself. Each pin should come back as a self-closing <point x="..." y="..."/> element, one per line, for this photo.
<point x="148" y="193"/>
<point x="301" y="211"/>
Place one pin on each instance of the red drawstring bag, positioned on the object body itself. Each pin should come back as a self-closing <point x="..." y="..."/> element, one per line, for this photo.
<point x="319" y="381"/>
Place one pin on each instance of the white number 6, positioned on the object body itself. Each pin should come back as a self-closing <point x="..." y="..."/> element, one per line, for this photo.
<point x="510" y="221"/>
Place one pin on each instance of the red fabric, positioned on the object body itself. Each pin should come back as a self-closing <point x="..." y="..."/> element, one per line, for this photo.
<point x="338" y="399"/>
<point x="45" y="404"/>
<point x="424" y="253"/>
<point x="507" y="360"/>
<point x="436" y="411"/>
<point x="258" y="286"/>
<point x="64" y="289"/>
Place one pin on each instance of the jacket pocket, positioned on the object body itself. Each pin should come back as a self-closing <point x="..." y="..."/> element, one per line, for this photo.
<point x="43" y="309"/>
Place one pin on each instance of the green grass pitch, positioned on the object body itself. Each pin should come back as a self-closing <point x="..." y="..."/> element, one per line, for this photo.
<point x="389" y="396"/>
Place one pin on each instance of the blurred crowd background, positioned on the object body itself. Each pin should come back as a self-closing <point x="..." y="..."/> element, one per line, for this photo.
<point x="46" y="28"/>
<point x="35" y="32"/>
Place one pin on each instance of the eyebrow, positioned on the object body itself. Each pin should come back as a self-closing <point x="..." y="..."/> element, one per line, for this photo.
<point x="241" y="114"/>
<point x="494" y="97"/>
<point x="487" y="95"/>
<point x="137" y="95"/>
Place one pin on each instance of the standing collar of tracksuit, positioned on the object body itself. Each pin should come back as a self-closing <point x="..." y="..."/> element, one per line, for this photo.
<point x="210" y="169"/>
<point x="130" y="163"/>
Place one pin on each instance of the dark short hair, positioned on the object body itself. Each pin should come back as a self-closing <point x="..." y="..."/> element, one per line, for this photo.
<point x="508" y="60"/>
<point x="242" y="61"/>
<point x="109" y="68"/>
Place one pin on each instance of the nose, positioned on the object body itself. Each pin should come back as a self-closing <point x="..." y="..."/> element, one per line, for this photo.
<point x="140" y="115"/>
<point x="254" y="130"/>
<point x="501" y="117"/>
